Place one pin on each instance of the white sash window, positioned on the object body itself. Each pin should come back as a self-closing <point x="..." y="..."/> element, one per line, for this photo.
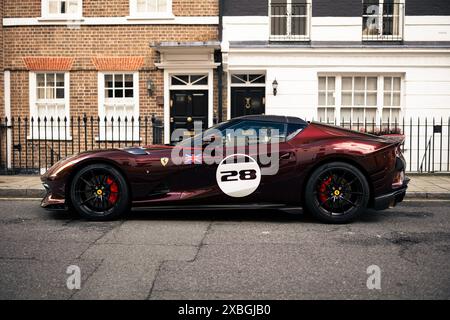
<point x="119" y="99"/>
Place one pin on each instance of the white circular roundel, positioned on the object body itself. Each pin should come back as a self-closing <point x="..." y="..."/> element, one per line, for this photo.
<point x="238" y="175"/>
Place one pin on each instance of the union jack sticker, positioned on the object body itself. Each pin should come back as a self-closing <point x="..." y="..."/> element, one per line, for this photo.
<point x="193" y="158"/>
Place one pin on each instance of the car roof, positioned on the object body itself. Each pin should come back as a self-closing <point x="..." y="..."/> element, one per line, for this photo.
<point x="270" y="118"/>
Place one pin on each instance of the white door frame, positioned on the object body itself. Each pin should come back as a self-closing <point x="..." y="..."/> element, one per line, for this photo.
<point x="168" y="88"/>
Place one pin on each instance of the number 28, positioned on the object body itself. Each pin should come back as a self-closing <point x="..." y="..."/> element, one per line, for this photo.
<point x="245" y="175"/>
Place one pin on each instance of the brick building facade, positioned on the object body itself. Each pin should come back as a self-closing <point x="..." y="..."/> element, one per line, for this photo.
<point x="109" y="59"/>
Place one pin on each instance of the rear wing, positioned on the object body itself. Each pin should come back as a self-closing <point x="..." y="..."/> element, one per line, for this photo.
<point x="398" y="139"/>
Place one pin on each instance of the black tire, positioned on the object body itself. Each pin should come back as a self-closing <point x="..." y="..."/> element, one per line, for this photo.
<point x="337" y="192"/>
<point x="99" y="192"/>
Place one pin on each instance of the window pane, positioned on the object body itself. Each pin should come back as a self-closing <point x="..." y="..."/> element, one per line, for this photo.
<point x="60" y="80"/>
<point x="50" y="93"/>
<point x="396" y="99"/>
<point x="257" y="78"/>
<point x="41" y="93"/>
<point x="321" y="114"/>
<point x="60" y="93"/>
<point x="358" y="115"/>
<point x="238" y="78"/>
<point x="50" y="80"/>
<point x="386" y="114"/>
<point x="141" y="5"/>
<point x="129" y="81"/>
<point x="322" y="100"/>
<point x="346" y="114"/>
<point x="73" y="6"/>
<point x="387" y="99"/>
<point x="347" y="99"/>
<point x="359" y="99"/>
<point x="387" y="83"/>
<point x="279" y="26"/>
<point x="359" y="83"/>
<point x="63" y="7"/>
<point x="53" y="7"/>
<point x="371" y="115"/>
<point x="298" y="26"/>
<point x="322" y="83"/>
<point x="118" y="93"/>
<point x="331" y="83"/>
<point x="180" y="80"/>
<point x="395" y="114"/>
<point x="330" y="101"/>
<point x="118" y="80"/>
<point x="279" y="7"/>
<point x="162" y="5"/>
<point x="109" y="93"/>
<point x="129" y="93"/>
<point x="397" y="84"/>
<point x="346" y="83"/>
<point x="371" y="99"/>
<point x="40" y="80"/>
<point x="152" y="5"/>
<point x="330" y="114"/>
<point x="199" y="80"/>
<point x="108" y="81"/>
<point x="372" y="83"/>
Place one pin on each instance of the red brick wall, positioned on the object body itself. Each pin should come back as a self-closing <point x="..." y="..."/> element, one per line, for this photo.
<point x="111" y="8"/>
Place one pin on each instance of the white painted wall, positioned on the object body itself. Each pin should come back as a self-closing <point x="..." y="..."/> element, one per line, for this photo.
<point x="416" y="28"/>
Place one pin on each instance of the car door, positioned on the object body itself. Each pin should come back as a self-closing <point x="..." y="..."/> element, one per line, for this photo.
<point x="250" y="174"/>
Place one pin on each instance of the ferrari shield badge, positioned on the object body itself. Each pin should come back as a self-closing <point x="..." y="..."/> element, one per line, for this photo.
<point x="164" y="161"/>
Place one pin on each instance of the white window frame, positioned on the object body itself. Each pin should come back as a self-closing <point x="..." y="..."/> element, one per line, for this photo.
<point x="102" y="104"/>
<point x="289" y="36"/>
<point x="327" y="91"/>
<point x="135" y="14"/>
<point x="381" y="36"/>
<point x="45" y="6"/>
<point x="380" y="97"/>
<point x="63" y="126"/>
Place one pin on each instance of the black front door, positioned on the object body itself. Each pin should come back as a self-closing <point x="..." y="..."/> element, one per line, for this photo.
<point x="187" y="107"/>
<point x="247" y="101"/>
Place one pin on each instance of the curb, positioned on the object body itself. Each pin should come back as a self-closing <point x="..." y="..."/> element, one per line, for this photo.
<point x="22" y="193"/>
<point x="427" y="195"/>
<point x="40" y="193"/>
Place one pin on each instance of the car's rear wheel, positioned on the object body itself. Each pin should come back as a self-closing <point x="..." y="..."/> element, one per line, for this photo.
<point x="99" y="192"/>
<point x="337" y="192"/>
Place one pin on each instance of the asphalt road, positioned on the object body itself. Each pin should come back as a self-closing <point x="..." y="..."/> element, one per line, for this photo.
<point x="253" y="254"/>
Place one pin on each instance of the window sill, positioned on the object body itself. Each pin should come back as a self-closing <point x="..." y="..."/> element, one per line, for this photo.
<point x="290" y="38"/>
<point x="166" y="16"/>
<point x="61" y="19"/>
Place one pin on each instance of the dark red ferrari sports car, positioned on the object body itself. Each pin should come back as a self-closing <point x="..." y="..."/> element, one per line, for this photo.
<point x="333" y="173"/>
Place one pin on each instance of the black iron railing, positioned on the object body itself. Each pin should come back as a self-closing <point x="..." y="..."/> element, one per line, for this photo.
<point x="382" y="21"/>
<point x="427" y="141"/>
<point x="32" y="145"/>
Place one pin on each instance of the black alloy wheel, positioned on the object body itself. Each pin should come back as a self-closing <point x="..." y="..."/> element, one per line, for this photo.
<point x="337" y="193"/>
<point x="99" y="192"/>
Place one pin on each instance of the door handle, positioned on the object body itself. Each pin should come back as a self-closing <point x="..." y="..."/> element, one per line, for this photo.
<point x="286" y="156"/>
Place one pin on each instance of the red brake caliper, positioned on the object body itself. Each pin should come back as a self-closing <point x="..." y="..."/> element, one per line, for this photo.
<point x="323" y="196"/>
<point x="113" y="196"/>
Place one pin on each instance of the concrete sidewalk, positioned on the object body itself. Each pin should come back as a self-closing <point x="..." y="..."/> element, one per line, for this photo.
<point x="420" y="187"/>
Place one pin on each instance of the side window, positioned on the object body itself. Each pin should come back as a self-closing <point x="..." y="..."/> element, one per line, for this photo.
<point x="255" y="132"/>
<point x="293" y="130"/>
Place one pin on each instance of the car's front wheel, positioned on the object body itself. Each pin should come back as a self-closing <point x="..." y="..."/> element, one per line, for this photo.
<point x="99" y="192"/>
<point x="337" y="192"/>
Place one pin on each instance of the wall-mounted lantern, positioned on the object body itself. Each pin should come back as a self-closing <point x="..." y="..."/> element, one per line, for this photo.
<point x="150" y="88"/>
<point x="275" y="87"/>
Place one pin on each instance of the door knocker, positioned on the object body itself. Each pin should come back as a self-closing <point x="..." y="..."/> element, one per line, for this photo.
<point x="248" y="103"/>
